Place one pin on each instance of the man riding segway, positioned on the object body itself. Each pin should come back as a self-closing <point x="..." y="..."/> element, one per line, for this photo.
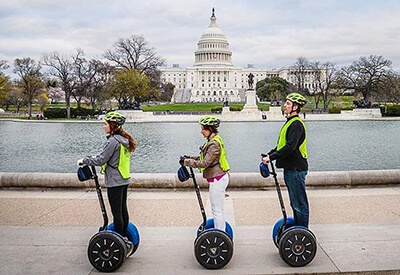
<point x="291" y="155"/>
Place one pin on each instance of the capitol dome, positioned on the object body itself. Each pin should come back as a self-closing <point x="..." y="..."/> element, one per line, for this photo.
<point x="213" y="47"/>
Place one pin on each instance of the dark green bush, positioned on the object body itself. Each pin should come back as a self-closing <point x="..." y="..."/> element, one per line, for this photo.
<point x="334" y="110"/>
<point x="390" y="110"/>
<point x="62" y="112"/>
<point x="216" y="110"/>
<point x="234" y="109"/>
<point x="55" y="113"/>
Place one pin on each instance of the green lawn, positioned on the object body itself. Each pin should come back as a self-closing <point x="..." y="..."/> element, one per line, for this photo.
<point x="343" y="102"/>
<point x="194" y="107"/>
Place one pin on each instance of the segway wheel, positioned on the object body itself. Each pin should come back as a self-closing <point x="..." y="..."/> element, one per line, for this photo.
<point x="213" y="249"/>
<point x="297" y="246"/>
<point x="132" y="234"/>
<point x="106" y="251"/>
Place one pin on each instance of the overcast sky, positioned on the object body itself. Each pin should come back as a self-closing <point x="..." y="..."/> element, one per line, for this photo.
<point x="266" y="33"/>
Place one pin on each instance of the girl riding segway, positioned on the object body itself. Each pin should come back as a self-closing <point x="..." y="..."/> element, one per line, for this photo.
<point x="115" y="165"/>
<point x="213" y="163"/>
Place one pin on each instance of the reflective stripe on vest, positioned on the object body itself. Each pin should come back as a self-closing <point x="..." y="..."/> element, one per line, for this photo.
<point x="282" y="137"/>
<point x="124" y="164"/>
<point x="223" y="162"/>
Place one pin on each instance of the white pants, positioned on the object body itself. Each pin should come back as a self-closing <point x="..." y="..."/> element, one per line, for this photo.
<point x="217" y="198"/>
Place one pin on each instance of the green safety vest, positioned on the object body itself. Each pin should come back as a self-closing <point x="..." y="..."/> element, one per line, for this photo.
<point x="282" y="137"/>
<point x="222" y="158"/>
<point x="124" y="164"/>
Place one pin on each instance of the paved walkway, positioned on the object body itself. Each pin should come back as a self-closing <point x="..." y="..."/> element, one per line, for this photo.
<point x="46" y="232"/>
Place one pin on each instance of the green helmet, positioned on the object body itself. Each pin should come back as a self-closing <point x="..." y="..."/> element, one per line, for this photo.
<point x="297" y="98"/>
<point x="209" y="121"/>
<point x="116" y="117"/>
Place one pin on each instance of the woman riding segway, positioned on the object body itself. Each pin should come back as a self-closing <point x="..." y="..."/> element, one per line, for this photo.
<point x="213" y="163"/>
<point x="115" y="163"/>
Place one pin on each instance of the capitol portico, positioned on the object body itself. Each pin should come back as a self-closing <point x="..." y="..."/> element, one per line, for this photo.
<point x="213" y="77"/>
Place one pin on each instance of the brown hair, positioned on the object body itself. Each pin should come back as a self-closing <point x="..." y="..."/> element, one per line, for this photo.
<point x="116" y="129"/>
<point x="211" y="128"/>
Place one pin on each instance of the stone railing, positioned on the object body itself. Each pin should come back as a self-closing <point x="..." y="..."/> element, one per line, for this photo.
<point x="238" y="180"/>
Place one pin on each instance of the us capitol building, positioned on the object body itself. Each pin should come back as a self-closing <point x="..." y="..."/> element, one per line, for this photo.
<point x="213" y="77"/>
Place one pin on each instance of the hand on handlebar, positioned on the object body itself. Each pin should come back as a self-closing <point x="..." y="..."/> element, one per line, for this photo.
<point x="80" y="162"/>
<point x="265" y="158"/>
<point x="182" y="160"/>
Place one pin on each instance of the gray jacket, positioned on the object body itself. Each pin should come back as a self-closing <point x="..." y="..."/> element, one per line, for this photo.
<point x="110" y="155"/>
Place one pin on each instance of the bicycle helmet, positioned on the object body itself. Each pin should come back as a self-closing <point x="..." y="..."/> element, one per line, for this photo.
<point x="116" y="117"/>
<point x="183" y="174"/>
<point x="210" y="121"/>
<point x="297" y="98"/>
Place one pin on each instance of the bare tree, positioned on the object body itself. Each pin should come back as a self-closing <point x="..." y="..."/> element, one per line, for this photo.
<point x="135" y="53"/>
<point x="390" y="88"/>
<point x="61" y="68"/>
<point x="100" y="90"/>
<point x="15" y="96"/>
<point x="324" y="76"/>
<point x="300" y="70"/>
<point x="365" y="75"/>
<point x="31" y="79"/>
<point x="84" y="75"/>
<point x="3" y="66"/>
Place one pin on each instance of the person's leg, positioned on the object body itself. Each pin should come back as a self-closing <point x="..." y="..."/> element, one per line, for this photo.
<point x="125" y="213"/>
<point x="217" y="199"/>
<point x="296" y="184"/>
<point x="115" y="200"/>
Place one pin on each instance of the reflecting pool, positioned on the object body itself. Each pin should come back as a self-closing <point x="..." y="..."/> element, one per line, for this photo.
<point x="332" y="145"/>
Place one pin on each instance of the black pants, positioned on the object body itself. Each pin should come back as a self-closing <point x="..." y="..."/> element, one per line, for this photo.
<point x="117" y="197"/>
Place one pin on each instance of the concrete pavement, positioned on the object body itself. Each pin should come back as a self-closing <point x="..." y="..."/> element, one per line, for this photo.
<point x="47" y="232"/>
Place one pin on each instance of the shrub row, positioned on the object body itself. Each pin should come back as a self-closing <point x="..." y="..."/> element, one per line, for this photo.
<point x="62" y="112"/>
<point x="334" y="110"/>
<point x="390" y="110"/>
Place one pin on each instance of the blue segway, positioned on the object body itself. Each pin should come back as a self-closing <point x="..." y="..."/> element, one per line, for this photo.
<point x="107" y="249"/>
<point x="213" y="248"/>
<point x="297" y="245"/>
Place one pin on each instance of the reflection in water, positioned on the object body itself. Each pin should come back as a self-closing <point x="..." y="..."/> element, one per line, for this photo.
<point x="334" y="145"/>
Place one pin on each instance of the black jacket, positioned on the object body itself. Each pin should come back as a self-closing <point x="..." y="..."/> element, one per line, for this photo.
<point x="289" y="156"/>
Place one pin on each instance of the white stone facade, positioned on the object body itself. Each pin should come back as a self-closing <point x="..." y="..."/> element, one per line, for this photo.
<point x="213" y="77"/>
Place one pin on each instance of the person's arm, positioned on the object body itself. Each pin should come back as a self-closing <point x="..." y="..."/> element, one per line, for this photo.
<point x="293" y="135"/>
<point x="104" y="156"/>
<point x="272" y="151"/>
<point x="213" y="153"/>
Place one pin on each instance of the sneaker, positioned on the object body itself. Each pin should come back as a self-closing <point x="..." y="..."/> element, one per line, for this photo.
<point x="129" y="247"/>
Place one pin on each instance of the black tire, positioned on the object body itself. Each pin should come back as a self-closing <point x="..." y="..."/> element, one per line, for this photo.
<point x="213" y="249"/>
<point x="106" y="251"/>
<point x="297" y="247"/>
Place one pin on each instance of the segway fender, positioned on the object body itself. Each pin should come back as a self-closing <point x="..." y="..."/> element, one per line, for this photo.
<point x="289" y="224"/>
<point x="210" y="225"/>
<point x="132" y="232"/>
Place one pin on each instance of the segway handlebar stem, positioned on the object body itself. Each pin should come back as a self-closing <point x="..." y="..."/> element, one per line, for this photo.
<point x="101" y="200"/>
<point x="197" y="189"/>
<point x="278" y="190"/>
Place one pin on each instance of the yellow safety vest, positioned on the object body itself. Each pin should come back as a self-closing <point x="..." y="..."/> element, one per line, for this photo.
<point x="223" y="162"/>
<point x="124" y="164"/>
<point x="282" y="137"/>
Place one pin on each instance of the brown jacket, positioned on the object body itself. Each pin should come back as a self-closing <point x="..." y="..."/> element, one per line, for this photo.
<point x="211" y="153"/>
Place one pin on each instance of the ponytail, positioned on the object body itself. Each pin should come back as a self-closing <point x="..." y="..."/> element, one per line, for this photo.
<point x="132" y="141"/>
<point x="115" y="129"/>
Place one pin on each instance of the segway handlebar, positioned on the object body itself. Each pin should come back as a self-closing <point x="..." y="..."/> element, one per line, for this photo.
<point x="278" y="190"/>
<point x="197" y="189"/>
<point x="101" y="200"/>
